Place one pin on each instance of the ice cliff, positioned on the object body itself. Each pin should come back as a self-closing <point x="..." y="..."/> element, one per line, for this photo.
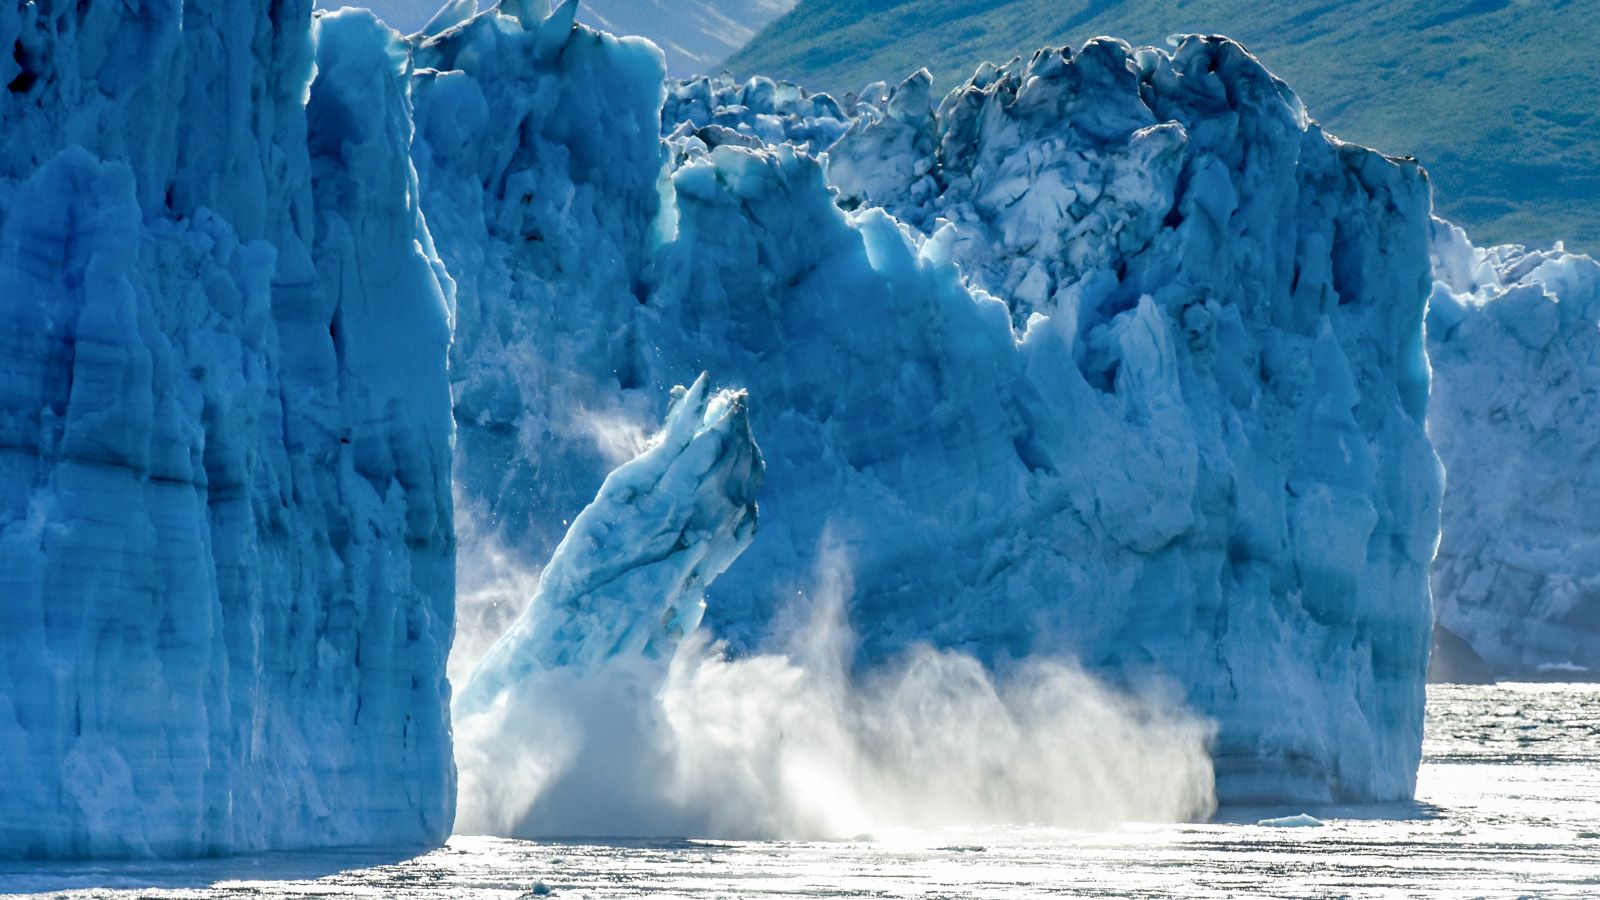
<point x="1514" y="579"/>
<point x="226" y="541"/>
<point x="1111" y="354"/>
<point x="1514" y="336"/>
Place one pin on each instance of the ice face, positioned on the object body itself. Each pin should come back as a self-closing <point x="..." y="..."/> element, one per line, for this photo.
<point x="1113" y="355"/>
<point x="541" y="172"/>
<point x="1195" y="465"/>
<point x="1514" y="337"/>
<point x="225" y="525"/>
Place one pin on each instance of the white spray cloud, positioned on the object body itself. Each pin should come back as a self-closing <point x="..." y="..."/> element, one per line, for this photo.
<point x="796" y="744"/>
<point x="492" y="589"/>
<point x="619" y="434"/>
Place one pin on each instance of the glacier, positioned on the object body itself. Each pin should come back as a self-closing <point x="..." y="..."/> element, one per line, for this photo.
<point x="226" y="542"/>
<point x="1110" y="355"/>
<point x="1110" y="360"/>
<point x="1514" y="337"/>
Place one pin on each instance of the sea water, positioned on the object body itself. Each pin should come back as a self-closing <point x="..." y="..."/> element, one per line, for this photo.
<point x="1508" y="804"/>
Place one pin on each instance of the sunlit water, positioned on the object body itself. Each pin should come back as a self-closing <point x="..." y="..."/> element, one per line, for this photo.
<point x="1508" y="805"/>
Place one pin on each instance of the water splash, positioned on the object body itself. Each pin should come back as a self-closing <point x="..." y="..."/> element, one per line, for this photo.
<point x="796" y="745"/>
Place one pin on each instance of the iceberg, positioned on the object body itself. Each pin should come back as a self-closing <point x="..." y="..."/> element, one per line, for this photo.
<point x="1111" y="354"/>
<point x="226" y="542"/>
<point x="1514" y="337"/>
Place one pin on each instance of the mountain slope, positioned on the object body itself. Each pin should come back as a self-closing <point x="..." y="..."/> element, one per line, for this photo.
<point x="696" y="35"/>
<point x="405" y="16"/>
<point x="1493" y="96"/>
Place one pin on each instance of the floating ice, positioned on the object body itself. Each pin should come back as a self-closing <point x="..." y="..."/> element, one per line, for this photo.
<point x="1296" y="821"/>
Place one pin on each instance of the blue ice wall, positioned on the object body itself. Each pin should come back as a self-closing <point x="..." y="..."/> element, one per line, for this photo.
<point x="226" y="541"/>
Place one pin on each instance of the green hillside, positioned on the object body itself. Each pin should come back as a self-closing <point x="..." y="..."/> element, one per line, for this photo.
<point x="1498" y="98"/>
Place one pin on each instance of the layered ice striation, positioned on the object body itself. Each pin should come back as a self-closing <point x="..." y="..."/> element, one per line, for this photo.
<point x="226" y="542"/>
<point x="1110" y="354"/>
<point x="1514" y="336"/>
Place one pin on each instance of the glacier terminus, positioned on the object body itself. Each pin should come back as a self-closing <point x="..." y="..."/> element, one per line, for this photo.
<point x="1104" y="406"/>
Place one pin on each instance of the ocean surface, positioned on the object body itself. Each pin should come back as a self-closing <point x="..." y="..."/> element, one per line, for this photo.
<point x="1508" y="806"/>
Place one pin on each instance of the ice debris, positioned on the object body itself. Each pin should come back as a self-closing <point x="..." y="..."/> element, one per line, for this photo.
<point x="1302" y="820"/>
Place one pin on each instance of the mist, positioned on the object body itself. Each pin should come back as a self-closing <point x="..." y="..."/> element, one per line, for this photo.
<point x="492" y="589"/>
<point x="796" y="744"/>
